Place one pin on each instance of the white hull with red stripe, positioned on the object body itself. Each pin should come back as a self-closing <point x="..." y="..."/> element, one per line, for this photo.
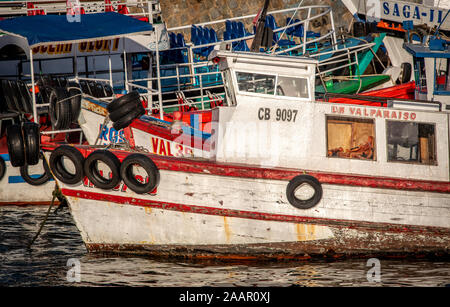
<point x="372" y="180"/>
<point x="204" y="212"/>
<point x="15" y="191"/>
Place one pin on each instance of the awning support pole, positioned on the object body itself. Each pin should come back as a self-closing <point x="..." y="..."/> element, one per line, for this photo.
<point x="33" y="90"/>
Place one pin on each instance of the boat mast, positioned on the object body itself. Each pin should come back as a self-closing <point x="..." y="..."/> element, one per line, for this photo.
<point x="260" y="24"/>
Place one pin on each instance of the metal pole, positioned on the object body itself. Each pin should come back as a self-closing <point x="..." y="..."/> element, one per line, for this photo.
<point x="158" y="75"/>
<point x="125" y="68"/>
<point x="33" y="90"/>
<point x="334" y="31"/>
<point x="76" y="63"/>
<point x="110" y="71"/>
<point x="305" y="29"/>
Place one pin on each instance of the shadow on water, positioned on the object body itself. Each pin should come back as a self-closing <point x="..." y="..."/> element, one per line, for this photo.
<point x="48" y="263"/>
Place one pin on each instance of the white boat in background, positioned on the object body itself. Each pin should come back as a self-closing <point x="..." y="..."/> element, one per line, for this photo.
<point x="429" y="13"/>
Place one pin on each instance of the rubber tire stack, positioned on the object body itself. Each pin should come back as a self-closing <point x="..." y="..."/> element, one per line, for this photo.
<point x="23" y="144"/>
<point x="125" y="109"/>
<point x="24" y="150"/>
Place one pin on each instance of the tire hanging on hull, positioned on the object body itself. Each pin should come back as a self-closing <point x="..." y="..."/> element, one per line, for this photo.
<point x="304" y="180"/>
<point x="58" y="168"/>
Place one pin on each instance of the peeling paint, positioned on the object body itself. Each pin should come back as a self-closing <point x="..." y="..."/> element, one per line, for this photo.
<point x="226" y="227"/>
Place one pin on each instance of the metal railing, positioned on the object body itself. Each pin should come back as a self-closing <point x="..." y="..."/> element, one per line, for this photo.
<point x="14" y="8"/>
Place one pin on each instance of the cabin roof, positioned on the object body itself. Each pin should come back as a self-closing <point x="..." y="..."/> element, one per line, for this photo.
<point x="422" y="51"/>
<point x="263" y="58"/>
<point x="54" y="29"/>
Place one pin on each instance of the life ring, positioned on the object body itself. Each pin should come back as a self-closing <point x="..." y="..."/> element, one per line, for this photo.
<point x="128" y="177"/>
<point x="92" y="172"/>
<point x="32" y="141"/>
<point x="124" y="110"/>
<point x="57" y="166"/>
<point x="46" y="176"/>
<point x="117" y="103"/>
<point x="2" y="168"/>
<point x="74" y="92"/>
<point x="126" y="120"/>
<point x="298" y="182"/>
<point x="59" y="109"/>
<point x="15" y="143"/>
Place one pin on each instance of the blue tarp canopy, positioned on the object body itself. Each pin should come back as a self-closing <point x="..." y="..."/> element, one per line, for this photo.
<point x="47" y="29"/>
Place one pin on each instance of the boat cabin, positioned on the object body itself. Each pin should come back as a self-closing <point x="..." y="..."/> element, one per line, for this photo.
<point x="274" y="121"/>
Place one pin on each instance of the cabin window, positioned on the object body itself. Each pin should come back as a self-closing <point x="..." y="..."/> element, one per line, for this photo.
<point x="442" y="82"/>
<point x="411" y="142"/>
<point x="256" y="83"/>
<point x="352" y="138"/>
<point x="265" y="84"/>
<point x="292" y="87"/>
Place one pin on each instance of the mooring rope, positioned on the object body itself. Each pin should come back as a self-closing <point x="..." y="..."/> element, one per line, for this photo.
<point x="56" y="195"/>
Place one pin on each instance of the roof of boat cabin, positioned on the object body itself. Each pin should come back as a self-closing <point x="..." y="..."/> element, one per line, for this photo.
<point x="47" y="29"/>
<point x="422" y="51"/>
<point x="263" y="57"/>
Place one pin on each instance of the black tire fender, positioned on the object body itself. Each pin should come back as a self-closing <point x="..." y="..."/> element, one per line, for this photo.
<point x="124" y="110"/>
<point x="46" y="176"/>
<point x="32" y="142"/>
<point x="299" y="181"/>
<point x="126" y="172"/>
<point x="25" y="96"/>
<point x="132" y="97"/>
<point x="58" y="168"/>
<point x="406" y="72"/>
<point x="126" y="120"/>
<point x="7" y="94"/>
<point x="92" y="172"/>
<point x="15" y="142"/>
<point x="2" y="168"/>
<point x="16" y="96"/>
<point x="74" y="92"/>
<point x="59" y="109"/>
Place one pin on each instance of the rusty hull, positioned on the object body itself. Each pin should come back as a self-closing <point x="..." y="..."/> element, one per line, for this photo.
<point x="348" y="243"/>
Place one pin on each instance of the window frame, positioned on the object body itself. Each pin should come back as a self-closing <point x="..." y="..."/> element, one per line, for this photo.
<point x="276" y="75"/>
<point x="418" y="152"/>
<point x="350" y="118"/>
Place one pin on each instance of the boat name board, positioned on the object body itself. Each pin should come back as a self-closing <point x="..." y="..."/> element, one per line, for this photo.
<point x="105" y="45"/>
<point x="378" y="113"/>
<point x="400" y="11"/>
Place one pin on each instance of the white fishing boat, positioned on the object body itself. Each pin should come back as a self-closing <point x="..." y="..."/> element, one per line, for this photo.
<point x="288" y="177"/>
<point x="24" y="178"/>
<point x="100" y="63"/>
<point x="428" y="13"/>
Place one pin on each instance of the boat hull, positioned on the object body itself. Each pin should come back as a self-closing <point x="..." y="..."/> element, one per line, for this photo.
<point x="223" y="212"/>
<point x="15" y="191"/>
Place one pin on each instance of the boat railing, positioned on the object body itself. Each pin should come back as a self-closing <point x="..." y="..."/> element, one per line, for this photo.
<point x="345" y="57"/>
<point x="196" y="85"/>
<point x="140" y="8"/>
<point x="298" y="12"/>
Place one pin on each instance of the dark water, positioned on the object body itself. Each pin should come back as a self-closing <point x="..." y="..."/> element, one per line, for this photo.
<point x="46" y="263"/>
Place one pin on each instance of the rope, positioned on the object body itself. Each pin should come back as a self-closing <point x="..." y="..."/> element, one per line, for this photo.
<point x="56" y="194"/>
